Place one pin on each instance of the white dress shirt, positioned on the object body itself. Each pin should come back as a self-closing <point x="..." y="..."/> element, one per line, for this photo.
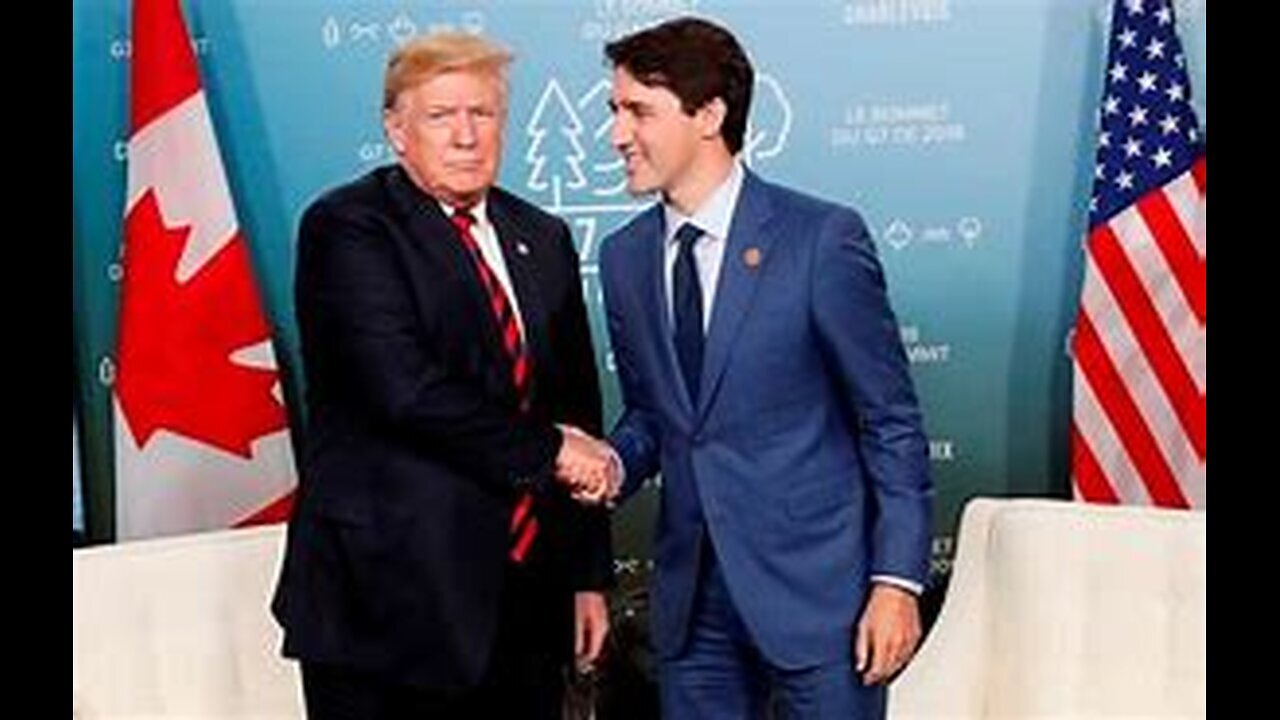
<point x="713" y="219"/>
<point x="486" y="236"/>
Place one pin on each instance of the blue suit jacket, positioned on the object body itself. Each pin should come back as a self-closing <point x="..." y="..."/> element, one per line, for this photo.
<point x="806" y="448"/>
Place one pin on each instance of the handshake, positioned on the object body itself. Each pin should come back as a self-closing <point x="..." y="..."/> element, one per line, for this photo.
<point x="588" y="467"/>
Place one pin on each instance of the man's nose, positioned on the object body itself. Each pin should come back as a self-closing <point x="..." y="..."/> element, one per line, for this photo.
<point x="464" y="130"/>
<point x="620" y="133"/>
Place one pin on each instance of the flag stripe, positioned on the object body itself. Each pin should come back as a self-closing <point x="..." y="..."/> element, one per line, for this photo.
<point x="1097" y="432"/>
<point x="1174" y="241"/>
<point x="1119" y="407"/>
<point x="1090" y="482"/>
<point x="1152" y="269"/>
<point x="1122" y="348"/>
<point x="1151" y="334"/>
<point x="1187" y="202"/>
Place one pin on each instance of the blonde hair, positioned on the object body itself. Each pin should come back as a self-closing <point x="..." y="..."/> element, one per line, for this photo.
<point x="427" y="56"/>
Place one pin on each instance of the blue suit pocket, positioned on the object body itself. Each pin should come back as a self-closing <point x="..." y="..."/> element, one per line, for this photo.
<point x="820" y="498"/>
<point x="781" y="421"/>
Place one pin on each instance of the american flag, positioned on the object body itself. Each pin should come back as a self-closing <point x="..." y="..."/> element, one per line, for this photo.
<point x="1138" y="420"/>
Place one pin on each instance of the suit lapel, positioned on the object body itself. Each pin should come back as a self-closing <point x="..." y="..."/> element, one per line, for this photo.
<point x="746" y="255"/>
<point x="515" y="241"/>
<point x="432" y="234"/>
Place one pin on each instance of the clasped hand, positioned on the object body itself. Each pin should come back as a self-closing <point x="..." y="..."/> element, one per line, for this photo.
<point x="587" y="467"/>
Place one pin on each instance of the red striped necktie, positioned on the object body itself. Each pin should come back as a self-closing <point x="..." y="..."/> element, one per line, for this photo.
<point x="524" y="523"/>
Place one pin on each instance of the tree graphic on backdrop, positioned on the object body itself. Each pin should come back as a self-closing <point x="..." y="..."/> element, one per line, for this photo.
<point x="555" y="150"/>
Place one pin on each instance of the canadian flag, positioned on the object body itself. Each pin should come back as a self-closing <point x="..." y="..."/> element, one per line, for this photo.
<point x="202" y="436"/>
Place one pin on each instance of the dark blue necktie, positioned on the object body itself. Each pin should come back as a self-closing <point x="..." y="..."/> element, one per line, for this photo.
<point x="686" y="296"/>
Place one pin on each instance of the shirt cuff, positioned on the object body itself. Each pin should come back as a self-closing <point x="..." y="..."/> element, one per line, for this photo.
<point x="617" y="479"/>
<point x="910" y="586"/>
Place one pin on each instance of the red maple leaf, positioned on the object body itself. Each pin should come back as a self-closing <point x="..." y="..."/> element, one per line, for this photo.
<point x="176" y="339"/>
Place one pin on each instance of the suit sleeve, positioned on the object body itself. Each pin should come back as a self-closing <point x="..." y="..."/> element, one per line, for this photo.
<point x="362" y="337"/>
<point x="635" y="436"/>
<point x="579" y="404"/>
<point x="860" y="339"/>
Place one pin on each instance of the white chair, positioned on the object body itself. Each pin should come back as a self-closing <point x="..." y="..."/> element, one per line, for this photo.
<point x="1066" y="610"/>
<point x="180" y="628"/>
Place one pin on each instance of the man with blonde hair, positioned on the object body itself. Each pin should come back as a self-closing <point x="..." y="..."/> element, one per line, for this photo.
<point x="437" y="562"/>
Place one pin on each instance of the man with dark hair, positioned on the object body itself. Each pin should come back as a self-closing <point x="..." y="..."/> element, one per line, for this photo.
<point x="763" y="376"/>
<point x="435" y="566"/>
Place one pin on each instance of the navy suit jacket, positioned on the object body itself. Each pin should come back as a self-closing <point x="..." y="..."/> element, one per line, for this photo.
<point x="805" y="452"/>
<point x="415" y="449"/>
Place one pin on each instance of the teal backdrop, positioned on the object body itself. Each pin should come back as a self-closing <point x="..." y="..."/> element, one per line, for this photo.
<point x="961" y="129"/>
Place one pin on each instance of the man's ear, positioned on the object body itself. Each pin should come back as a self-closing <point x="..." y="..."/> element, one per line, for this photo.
<point x="711" y="118"/>
<point x="393" y="126"/>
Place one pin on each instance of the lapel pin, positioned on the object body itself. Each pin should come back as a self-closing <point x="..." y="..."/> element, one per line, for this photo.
<point x="522" y="248"/>
<point x="752" y="256"/>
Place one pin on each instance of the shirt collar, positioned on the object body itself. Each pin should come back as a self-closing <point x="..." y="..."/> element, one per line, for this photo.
<point x="479" y="211"/>
<point x="716" y="213"/>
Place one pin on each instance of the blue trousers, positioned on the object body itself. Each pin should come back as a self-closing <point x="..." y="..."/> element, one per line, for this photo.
<point x="720" y="672"/>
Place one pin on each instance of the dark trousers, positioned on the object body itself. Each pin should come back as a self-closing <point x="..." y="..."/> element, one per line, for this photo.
<point x="525" y="680"/>
<point x="339" y="693"/>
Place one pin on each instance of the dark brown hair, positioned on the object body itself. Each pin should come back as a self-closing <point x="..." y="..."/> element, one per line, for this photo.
<point x="696" y="60"/>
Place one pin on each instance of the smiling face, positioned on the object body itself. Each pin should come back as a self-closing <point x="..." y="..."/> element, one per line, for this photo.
<point x="655" y="137"/>
<point x="447" y="131"/>
<point x="682" y="155"/>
